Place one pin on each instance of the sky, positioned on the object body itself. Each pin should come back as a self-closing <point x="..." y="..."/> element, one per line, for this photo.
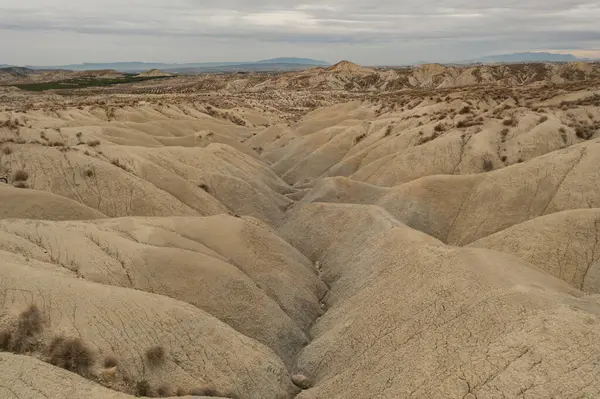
<point x="368" y="32"/>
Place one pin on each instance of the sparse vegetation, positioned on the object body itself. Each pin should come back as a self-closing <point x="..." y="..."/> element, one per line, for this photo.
<point x="155" y="355"/>
<point x="85" y="82"/>
<point x="142" y="388"/>
<point x="88" y="172"/>
<point x="509" y="122"/>
<point x="20" y="175"/>
<point x="360" y="138"/>
<point x="488" y="165"/>
<point x="5" y="339"/>
<point x="585" y="132"/>
<point x="71" y="354"/>
<point x="163" y="391"/>
<point x="204" y="391"/>
<point x="24" y="338"/>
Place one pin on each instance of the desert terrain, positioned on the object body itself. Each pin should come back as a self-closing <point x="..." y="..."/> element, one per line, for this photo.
<point x="339" y="232"/>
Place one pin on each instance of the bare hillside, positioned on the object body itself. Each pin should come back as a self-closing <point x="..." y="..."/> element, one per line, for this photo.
<point x="340" y="232"/>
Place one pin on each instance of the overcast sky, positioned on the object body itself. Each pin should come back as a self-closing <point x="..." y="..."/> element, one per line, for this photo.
<point x="369" y="32"/>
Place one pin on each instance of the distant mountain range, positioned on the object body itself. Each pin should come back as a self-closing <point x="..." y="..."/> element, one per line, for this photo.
<point x="526" y="57"/>
<point x="136" y="67"/>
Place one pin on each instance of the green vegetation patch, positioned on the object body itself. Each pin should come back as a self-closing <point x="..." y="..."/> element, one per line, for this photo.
<point x="84" y="82"/>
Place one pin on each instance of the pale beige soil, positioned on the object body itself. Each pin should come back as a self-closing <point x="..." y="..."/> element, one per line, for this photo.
<point x="318" y="234"/>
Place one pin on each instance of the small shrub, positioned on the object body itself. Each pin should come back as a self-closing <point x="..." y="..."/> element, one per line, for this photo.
<point x="584" y="132"/>
<point x="110" y="362"/>
<point x="93" y="143"/>
<point x="71" y="354"/>
<point x="509" y="122"/>
<point x="464" y="110"/>
<point x="142" y="388"/>
<point x="163" y="391"/>
<point x="28" y="327"/>
<point x="520" y="160"/>
<point x="7" y="150"/>
<point x="388" y="130"/>
<point x="439" y="128"/>
<point x="5" y="340"/>
<point x="461" y="124"/>
<point x="504" y="158"/>
<point x="20" y="175"/>
<point x="543" y="119"/>
<point x="79" y="134"/>
<point x="204" y="187"/>
<point x="488" y="165"/>
<point x="155" y="355"/>
<point x="360" y="138"/>
<point x="88" y="172"/>
<point x="43" y="136"/>
<point x="204" y="391"/>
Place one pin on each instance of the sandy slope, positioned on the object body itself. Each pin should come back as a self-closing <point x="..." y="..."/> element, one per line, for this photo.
<point x="401" y="245"/>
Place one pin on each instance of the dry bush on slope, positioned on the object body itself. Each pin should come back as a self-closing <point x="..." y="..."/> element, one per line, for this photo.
<point x="24" y="338"/>
<point x="163" y="391"/>
<point x="155" y="355"/>
<point x="20" y="175"/>
<point x="71" y="354"/>
<point x="142" y="388"/>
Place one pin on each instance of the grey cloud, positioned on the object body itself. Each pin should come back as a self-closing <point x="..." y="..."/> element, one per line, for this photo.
<point x="301" y="25"/>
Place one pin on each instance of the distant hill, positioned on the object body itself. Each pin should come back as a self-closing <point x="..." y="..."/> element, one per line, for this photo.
<point x="525" y="57"/>
<point x="137" y="67"/>
<point x="293" y="60"/>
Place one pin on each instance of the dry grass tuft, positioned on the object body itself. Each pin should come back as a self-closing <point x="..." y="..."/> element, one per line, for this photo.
<point x="155" y="355"/>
